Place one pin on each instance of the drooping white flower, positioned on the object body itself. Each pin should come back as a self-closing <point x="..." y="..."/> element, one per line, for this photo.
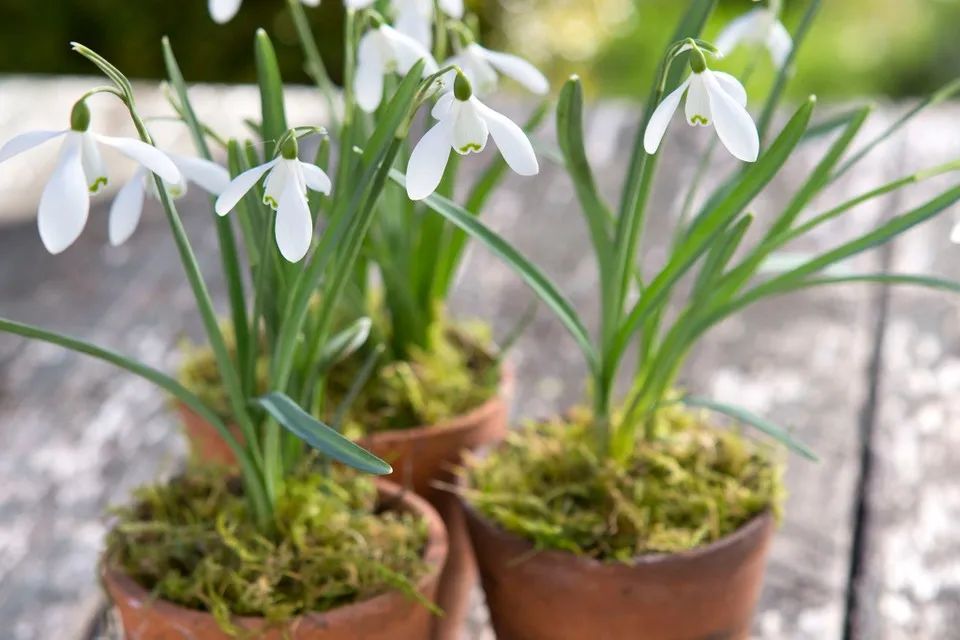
<point x="128" y="205"/>
<point x="955" y="233"/>
<point x="285" y="190"/>
<point x="223" y="11"/>
<point x="713" y="98"/>
<point x="80" y="172"/>
<point x="483" y="67"/>
<point x="464" y="125"/>
<point x="384" y="50"/>
<point x="415" y="17"/>
<point x="760" y="26"/>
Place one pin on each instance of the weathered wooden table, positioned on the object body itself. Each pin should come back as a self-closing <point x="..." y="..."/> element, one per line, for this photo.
<point x="867" y="376"/>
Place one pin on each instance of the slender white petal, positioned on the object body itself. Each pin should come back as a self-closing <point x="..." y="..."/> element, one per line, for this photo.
<point x="415" y="19"/>
<point x="516" y="68"/>
<point x="732" y="86"/>
<point x="661" y="117"/>
<point x="740" y="28"/>
<point x="65" y="202"/>
<point x="698" y="104"/>
<point x="779" y="43"/>
<point x="429" y="160"/>
<point x="26" y="141"/>
<point x="222" y="11"/>
<point x="277" y="180"/>
<point x="239" y="187"/>
<point x="736" y="128"/>
<point x="316" y="178"/>
<point x="371" y="66"/>
<point x="147" y="155"/>
<point x="478" y="70"/>
<point x="93" y="167"/>
<point x="407" y="51"/>
<point x="442" y="108"/>
<point x="294" y="226"/>
<point x="955" y="233"/>
<point x="208" y="175"/>
<point x="126" y="208"/>
<point x="470" y="131"/>
<point x="453" y="8"/>
<point x="513" y="143"/>
<point x="358" y="4"/>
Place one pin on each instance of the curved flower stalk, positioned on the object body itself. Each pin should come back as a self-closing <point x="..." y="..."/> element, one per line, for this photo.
<point x="482" y="67"/>
<point x="761" y="27"/>
<point x="713" y="98"/>
<point x="80" y="172"/>
<point x="128" y="205"/>
<point x="383" y="50"/>
<point x="223" y="11"/>
<point x="464" y="126"/>
<point x="285" y="191"/>
<point x="415" y="18"/>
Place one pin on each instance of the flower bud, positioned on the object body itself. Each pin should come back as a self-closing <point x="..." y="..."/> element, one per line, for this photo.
<point x="698" y="62"/>
<point x="289" y="149"/>
<point x="462" y="88"/>
<point x="80" y="116"/>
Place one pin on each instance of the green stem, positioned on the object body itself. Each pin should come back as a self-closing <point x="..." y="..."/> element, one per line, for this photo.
<point x="315" y="67"/>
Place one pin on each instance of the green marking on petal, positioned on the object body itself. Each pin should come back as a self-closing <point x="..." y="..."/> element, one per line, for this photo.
<point x="701" y="120"/>
<point x="471" y="147"/>
<point x="98" y="184"/>
<point x="270" y="202"/>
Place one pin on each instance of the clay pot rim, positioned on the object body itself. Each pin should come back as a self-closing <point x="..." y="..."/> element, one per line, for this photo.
<point x="752" y="528"/>
<point x="434" y="555"/>
<point x="463" y="422"/>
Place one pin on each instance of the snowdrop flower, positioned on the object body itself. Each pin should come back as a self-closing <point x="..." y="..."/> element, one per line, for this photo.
<point x="285" y="190"/>
<point x="80" y="171"/>
<point x="761" y="26"/>
<point x="415" y="17"/>
<point x="128" y="205"/>
<point x="464" y="125"/>
<point x="223" y="11"/>
<point x="955" y="233"/>
<point x="385" y="50"/>
<point x="713" y="98"/>
<point x="482" y="67"/>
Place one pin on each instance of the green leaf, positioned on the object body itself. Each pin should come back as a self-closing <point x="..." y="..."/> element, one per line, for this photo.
<point x="274" y="119"/>
<point x="534" y="278"/>
<point x="321" y="437"/>
<point x="744" y="416"/>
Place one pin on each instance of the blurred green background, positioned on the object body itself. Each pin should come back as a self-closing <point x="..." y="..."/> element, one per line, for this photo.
<point x="875" y="47"/>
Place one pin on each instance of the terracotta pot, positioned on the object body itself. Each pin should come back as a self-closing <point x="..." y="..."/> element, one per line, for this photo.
<point x="708" y="593"/>
<point x="390" y="616"/>
<point x="420" y="457"/>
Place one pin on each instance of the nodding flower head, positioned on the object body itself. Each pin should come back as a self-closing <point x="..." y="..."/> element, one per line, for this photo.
<point x="762" y="27"/>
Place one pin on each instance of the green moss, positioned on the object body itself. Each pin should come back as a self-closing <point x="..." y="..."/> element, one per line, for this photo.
<point x="193" y="543"/>
<point x="456" y="375"/>
<point x="691" y="486"/>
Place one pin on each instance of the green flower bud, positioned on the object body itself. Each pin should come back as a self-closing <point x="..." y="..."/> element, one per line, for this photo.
<point x="290" y="150"/>
<point x="80" y="116"/>
<point x="698" y="62"/>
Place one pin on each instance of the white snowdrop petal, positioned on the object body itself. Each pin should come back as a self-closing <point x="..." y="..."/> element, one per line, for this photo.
<point x="210" y="176"/>
<point x="736" y="128"/>
<point x="955" y="233"/>
<point x="479" y="71"/>
<point x="277" y="180"/>
<point x="415" y="19"/>
<point x="697" y="107"/>
<point x="358" y="4"/>
<point x="294" y="225"/>
<point x="429" y="161"/>
<point x="779" y="43"/>
<point x="660" y="120"/>
<point x="127" y="208"/>
<point x="408" y="52"/>
<point x="737" y="31"/>
<point x="453" y="8"/>
<point x="316" y="178"/>
<point x="147" y="155"/>
<point x="310" y="3"/>
<point x="732" y="86"/>
<point x="371" y="66"/>
<point x="470" y="131"/>
<point x="443" y="105"/>
<point x="93" y="167"/>
<point x="240" y="186"/>
<point x="518" y="69"/>
<point x="65" y="202"/>
<point x="222" y="11"/>
<point x="513" y="143"/>
<point x="26" y="141"/>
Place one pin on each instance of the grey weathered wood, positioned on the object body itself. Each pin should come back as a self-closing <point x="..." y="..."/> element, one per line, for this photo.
<point x="909" y="588"/>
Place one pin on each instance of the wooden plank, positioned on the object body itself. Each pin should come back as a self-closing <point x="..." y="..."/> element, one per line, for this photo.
<point x="909" y="588"/>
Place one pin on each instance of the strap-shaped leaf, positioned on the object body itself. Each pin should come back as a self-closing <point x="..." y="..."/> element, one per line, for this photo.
<point x="274" y="123"/>
<point x="742" y="415"/>
<point x="291" y="417"/>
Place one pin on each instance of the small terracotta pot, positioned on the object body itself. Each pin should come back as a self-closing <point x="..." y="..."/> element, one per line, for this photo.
<point x="390" y="616"/>
<point x="420" y="456"/>
<point x="708" y="593"/>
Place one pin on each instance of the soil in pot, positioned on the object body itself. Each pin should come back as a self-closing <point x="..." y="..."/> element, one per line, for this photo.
<point x="670" y="547"/>
<point x="351" y="558"/>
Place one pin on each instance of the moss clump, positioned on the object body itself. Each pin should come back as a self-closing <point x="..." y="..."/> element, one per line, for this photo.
<point x="192" y="542"/>
<point x="691" y="486"/>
